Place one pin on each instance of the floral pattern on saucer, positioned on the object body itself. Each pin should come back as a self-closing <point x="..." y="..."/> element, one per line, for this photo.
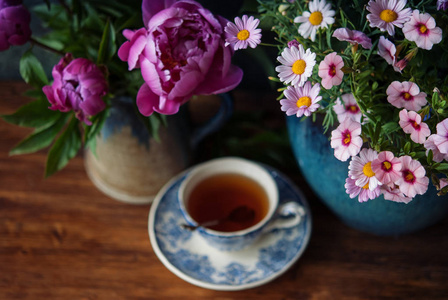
<point x="188" y="255"/>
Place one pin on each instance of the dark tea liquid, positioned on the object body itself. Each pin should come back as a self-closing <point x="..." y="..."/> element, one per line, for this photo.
<point x="215" y="197"/>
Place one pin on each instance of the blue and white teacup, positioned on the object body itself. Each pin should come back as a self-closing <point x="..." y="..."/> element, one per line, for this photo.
<point x="286" y="215"/>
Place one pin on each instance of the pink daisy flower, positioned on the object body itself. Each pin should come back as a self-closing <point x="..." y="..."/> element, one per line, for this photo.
<point x="387" y="14"/>
<point x="441" y="138"/>
<point x="301" y="100"/>
<point x="346" y="140"/>
<point x="386" y="167"/>
<point x="353" y="37"/>
<point x="422" y="30"/>
<point x="348" y="108"/>
<point x="364" y="193"/>
<point x="330" y="70"/>
<point x="360" y="169"/>
<point x="411" y="122"/>
<point x="297" y="65"/>
<point x="243" y="33"/>
<point x="392" y="193"/>
<point x="413" y="180"/>
<point x="319" y="16"/>
<point x="406" y="94"/>
<point x="437" y="156"/>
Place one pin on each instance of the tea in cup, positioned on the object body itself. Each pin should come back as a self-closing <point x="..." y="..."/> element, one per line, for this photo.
<point x="232" y="201"/>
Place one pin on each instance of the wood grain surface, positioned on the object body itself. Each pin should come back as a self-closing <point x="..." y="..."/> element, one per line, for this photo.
<point x="61" y="238"/>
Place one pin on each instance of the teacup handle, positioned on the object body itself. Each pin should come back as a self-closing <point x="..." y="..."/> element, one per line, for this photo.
<point x="288" y="215"/>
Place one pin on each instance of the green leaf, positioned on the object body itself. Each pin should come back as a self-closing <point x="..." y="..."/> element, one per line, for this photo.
<point x="107" y="46"/>
<point x="32" y="71"/>
<point x="154" y="123"/>
<point x="35" y="114"/>
<point x="40" y="138"/>
<point x="92" y="130"/>
<point x="64" y="149"/>
<point x="443" y="167"/>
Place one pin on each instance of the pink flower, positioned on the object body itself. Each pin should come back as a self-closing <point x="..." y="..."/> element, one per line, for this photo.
<point x="388" y="51"/>
<point x="293" y="43"/>
<point x="364" y="193"/>
<point x="406" y="95"/>
<point x="392" y="193"/>
<point x="330" y="70"/>
<point x="387" y="14"/>
<point x="422" y="30"/>
<point x="301" y="100"/>
<point x="360" y="169"/>
<point x="78" y="85"/>
<point x="441" y="138"/>
<point x="346" y="140"/>
<point x="353" y="37"/>
<point x="182" y="54"/>
<point x="347" y="109"/>
<point x="14" y="24"/>
<point x="387" y="167"/>
<point x="413" y="180"/>
<point x="437" y="156"/>
<point x="411" y="122"/>
<point x="243" y="33"/>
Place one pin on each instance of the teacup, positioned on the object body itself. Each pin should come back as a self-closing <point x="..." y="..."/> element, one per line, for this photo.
<point x="232" y="201"/>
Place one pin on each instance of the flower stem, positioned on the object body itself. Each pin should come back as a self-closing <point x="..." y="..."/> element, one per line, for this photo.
<point x="48" y="48"/>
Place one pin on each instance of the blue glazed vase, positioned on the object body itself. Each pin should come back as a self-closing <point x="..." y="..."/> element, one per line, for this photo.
<point x="326" y="176"/>
<point x="131" y="166"/>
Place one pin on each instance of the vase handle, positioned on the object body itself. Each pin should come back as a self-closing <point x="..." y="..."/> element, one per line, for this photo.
<point x="216" y="122"/>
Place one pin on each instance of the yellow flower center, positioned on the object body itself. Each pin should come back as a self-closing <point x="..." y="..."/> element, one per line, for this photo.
<point x="388" y="15"/>
<point x="352" y="108"/>
<point x="386" y="165"/>
<point x="299" y="66"/>
<point x="347" y="139"/>
<point x="316" y="18"/>
<point x="407" y="96"/>
<point x="366" y="187"/>
<point x="304" y="101"/>
<point x="408" y="176"/>
<point x="243" y="35"/>
<point x="367" y="170"/>
<point x="422" y="28"/>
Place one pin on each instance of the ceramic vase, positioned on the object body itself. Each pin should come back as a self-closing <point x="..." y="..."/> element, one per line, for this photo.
<point x="130" y="166"/>
<point x="326" y="176"/>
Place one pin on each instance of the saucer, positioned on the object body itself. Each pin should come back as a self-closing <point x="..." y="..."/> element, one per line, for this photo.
<point x="188" y="255"/>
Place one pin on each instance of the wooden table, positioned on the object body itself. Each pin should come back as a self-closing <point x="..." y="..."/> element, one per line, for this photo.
<point x="61" y="238"/>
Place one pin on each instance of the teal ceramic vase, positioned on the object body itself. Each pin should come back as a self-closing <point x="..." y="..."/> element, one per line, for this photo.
<point x="326" y="176"/>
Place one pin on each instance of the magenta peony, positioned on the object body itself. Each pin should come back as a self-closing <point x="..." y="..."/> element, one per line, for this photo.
<point x="78" y="86"/>
<point x="14" y="24"/>
<point x="181" y="53"/>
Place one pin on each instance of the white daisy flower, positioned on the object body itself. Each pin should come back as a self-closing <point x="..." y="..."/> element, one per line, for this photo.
<point x="297" y="65"/>
<point x="319" y="16"/>
<point x="360" y="169"/>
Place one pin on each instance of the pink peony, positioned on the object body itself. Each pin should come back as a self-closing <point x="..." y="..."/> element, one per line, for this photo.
<point x="346" y="140"/>
<point x="78" y="86"/>
<point x="406" y="94"/>
<point x="14" y="24"/>
<point x="411" y="122"/>
<point x="181" y="54"/>
<point x="330" y="70"/>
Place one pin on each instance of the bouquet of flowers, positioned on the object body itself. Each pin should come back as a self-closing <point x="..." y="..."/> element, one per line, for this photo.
<point x="172" y="51"/>
<point x="377" y="71"/>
